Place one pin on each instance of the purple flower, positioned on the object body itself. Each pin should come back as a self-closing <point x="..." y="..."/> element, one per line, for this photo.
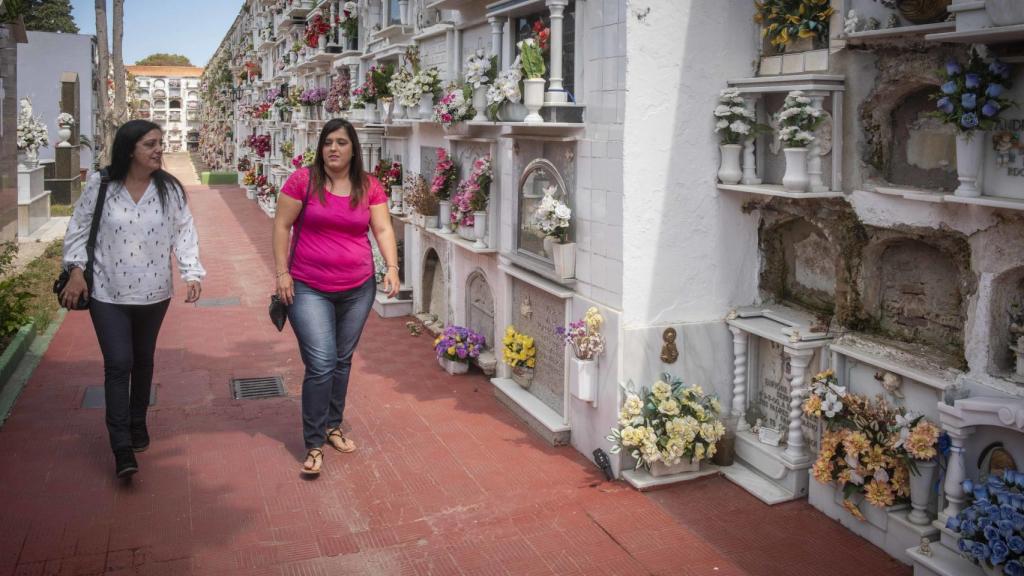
<point x="965" y="545"/>
<point x="999" y="552"/>
<point x="953" y="524"/>
<point x="945" y="105"/>
<point x="993" y="91"/>
<point x="969" y="100"/>
<point x="968" y="486"/>
<point x="460" y="351"/>
<point x="1016" y="544"/>
<point x="952" y="67"/>
<point x="991" y="533"/>
<point x="972" y="80"/>
<point x="980" y="551"/>
<point x="999" y="69"/>
<point x="949" y="87"/>
<point x="970" y="120"/>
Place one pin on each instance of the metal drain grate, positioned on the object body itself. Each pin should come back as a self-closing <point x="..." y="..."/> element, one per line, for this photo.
<point x="257" y="388"/>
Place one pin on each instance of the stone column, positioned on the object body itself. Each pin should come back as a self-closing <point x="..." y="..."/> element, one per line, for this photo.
<point x="353" y="81"/>
<point x="385" y="14"/>
<point x="814" y="151"/>
<point x="955" y="475"/>
<point x="496" y="29"/>
<point x="556" y="93"/>
<point x="750" y="176"/>
<point x="798" y="361"/>
<point x="738" y="409"/>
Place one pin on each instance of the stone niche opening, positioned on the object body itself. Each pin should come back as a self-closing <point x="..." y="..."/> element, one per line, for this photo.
<point x="914" y="291"/>
<point x="1007" y="302"/>
<point x="435" y="289"/>
<point x="480" y="307"/>
<point x="800" y="265"/>
<point x="922" y="151"/>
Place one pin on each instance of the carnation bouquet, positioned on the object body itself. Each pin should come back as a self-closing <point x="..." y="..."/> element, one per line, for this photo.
<point x="734" y="122"/>
<point x="552" y="216"/>
<point x="991" y="527"/>
<point x="459" y="344"/>
<point x="971" y="98"/>
<point x="473" y="193"/>
<point x="446" y="174"/>
<point x="584" y="336"/>
<point x="669" y="423"/>
<point x="797" y="120"/>
<point x="454" y="107"/>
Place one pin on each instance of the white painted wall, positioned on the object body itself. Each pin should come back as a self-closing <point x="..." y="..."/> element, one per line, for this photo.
<point x="40" y="65"/>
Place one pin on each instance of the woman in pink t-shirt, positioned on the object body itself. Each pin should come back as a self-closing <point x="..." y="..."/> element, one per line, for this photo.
<point x="327" y="281"/>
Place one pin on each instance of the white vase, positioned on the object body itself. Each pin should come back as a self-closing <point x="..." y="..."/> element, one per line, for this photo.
<point x="426" y="106"/>
<point x="480" y="103"/>
<point x="522" y="376"/>
<point x="412" y="112"/>
<point x="564" y="256"/>
<point x="384" y="108"/>
<point x="64" y="134"/>
<point x="549" y="242"/>
<point x="250" y="192"/>
<point x="585" y="387"/>
<point x="371" y="113"/>
<point x="970" y="155"/>
<point x="31" y="158"/>
<point x="533" y="98"/>
<point x="429" y="222"/>
<point x="659" y="469"/>
<point x="920" y="492"/>
<point x="357" y="114"/>
<point x="396" y="198"/>
<point x="453" y="367"/>
<point x="403" y="12"/>
<point x="321" y="42"/>
<point x="1005" y="12"/>
<point x="397" y="110"/>
<point x="444" y="216"/>
<point x="479" y="229"/>
<point x="729" y="171"/>
<point x="511" y="112"/>
<point x="465" y="232"/>
<point x="796" y="179"/>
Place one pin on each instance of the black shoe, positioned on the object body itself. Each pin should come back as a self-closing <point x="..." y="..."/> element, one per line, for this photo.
<point x="140" y="439"/>
<point x="125" y="463"/>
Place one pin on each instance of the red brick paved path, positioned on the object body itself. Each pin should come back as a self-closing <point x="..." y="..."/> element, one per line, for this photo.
<point x="446" y="481"/>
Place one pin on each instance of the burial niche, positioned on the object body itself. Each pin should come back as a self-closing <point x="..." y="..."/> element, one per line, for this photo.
<point x="922" y="150"/>
<point x="480" y="307"/>
<point x="434" y="287"/>
<point x="800" y="265"/>
<point x="1006" y="331"/>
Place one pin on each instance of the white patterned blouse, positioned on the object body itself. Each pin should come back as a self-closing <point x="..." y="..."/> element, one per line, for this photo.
<point x="132" y="262"/>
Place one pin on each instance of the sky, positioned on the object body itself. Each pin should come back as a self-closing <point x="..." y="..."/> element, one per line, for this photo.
<point x="190" y="27"/>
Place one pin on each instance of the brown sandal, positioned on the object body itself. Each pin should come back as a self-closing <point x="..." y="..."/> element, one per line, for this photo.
<point x="314" y="460"/>
<point x="337" y="439"/>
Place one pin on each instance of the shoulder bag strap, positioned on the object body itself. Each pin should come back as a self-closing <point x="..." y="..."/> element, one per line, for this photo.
<point x="298" y="222"/>
<point x="97" y="214"/>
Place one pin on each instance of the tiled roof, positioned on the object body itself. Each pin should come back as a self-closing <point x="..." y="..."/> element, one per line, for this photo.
<point x="167" y="71"/>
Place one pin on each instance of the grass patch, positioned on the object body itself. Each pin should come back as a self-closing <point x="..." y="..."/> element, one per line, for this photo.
<point x="61" y="210"/>
<point x="33" y="287"/>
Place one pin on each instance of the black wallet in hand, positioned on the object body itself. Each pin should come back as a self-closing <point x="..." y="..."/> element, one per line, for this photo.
<point x="278" y="312"/>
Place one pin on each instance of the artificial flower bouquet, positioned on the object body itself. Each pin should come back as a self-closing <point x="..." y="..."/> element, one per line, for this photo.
<point x="287" y="148"/>
<point x="388" y="173"/>
<point x="348" y="20"/>
<point x="318" y="26"/>
<point x="260" y="143"/>
<point x="971" y="98"/>
<point x="418" y="196"/>
<point x="65" y="120"/>
<point x="32" y="133"/>
<point x="532" y="58"/>
<point x="454" y="107"/>
<point x="473" y="193"/>
<point x="519" y="350"/>
<point x="584" y="336"/>
<point x="670" y="423"/>
<point x="338" y="95"/>
<point x="313" y="96"/>
<point x="991" y="527"/>
<point x="797" y="120"/>
<point x="249" y="178"/>
<point x="552" y="216"/>
<point x="480" y="69"/>
<point x="506" y="88"/>
<point x="459" y="344"/>
<point x="446" y="174"/>
<point x="734" y="122"/>
<point x="784" y="21"/>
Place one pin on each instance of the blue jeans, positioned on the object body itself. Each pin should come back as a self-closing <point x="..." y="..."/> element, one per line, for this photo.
<point x="328" y="326"/>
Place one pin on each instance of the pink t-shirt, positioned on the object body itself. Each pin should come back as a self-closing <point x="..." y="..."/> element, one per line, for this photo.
<point x="333" y="253"/>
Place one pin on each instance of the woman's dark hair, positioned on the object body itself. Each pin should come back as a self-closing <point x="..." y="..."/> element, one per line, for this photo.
<point x="318" y="176"/>
<point x="128" y="135"/>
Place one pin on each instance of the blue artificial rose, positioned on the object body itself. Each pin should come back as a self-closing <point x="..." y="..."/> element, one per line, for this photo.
<point x="1018" y="521"/>
<point x="980" y="551"/>
<point x="990" y="109"/>
<point x="999" y="69"/>
<point x="1005" y="512"/>
<point x="1016" y="544"/>
<point x="949" y="87"/>
<point x="953" y="523"/>
<point x="965" y="545"/>
<point x="999" y="551"/>
<point x="993" y="481"/>
<point x="1008" y="475"/>
<point x="980" y="492"/>
<point x="1003" y="498"/>
<point x="972" y="80"/>
<point x="945" y="105"/>
<point x="1005" y="528"/>
<point x="970" y="120"/>
<point x="968" y="486"/>
<point x="969" y="101"/>
<point x="1013" y="568"/>
<point x="952" y="67"/>
<point x="991" y="533"/>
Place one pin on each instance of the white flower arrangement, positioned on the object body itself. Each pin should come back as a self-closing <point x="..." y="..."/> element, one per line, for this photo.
<point x="427" y="81"/>
<point x="65" y="120"/>
<point x="734" y="121"/>
<point x="479" y="69"/>
<point x="552" y="216"/>
<point x="403" y="88"/>
<point x="32" y="133"/>
<point x="504" y="89"/>
<point x="798" y="120"/>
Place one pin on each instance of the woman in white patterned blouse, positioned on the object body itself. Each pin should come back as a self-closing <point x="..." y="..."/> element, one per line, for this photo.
<point x="144" y="219"/>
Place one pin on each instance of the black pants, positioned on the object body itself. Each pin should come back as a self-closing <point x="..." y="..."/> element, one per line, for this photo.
<point x="127" y="335"/>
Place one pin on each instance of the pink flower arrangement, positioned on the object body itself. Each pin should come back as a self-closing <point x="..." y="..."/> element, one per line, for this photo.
<point x="445" y="176"/>
<point x="260" y="144"/>
<point x="453" y="107"/>
<point x="473" y="192"/>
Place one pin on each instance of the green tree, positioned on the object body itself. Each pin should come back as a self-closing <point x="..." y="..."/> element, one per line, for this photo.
<point x="50" y="16"/>
<point x="161" y="59"/>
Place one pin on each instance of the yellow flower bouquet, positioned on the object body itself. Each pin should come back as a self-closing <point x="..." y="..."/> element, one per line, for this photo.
<point x="519" y="352"/>
<point x="668" y="424"/>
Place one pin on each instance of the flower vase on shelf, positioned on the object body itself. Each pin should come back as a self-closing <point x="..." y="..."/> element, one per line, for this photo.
<point x="729" y="171"/>
<point x="921" y="491"/>
<point x="970" y="156"/>
<point x="428" y="222"/>
<point x="427" y="106"/>
<point x="453" y="367"/>
<point x="564" y="256"/>
<point x="796" y="179"/>
<point x="533" y="98"/>
<point x="480" y="103"/>
<point x="403" y="12"/>
<point x="371" y="113"/>
<point x="522" y="376"/>
<point x="321" y="42"/>
<point x="465" y="232"/>
<point x="64" y="133"/>
<point x="31" y="158"/>
<point x="549" y="242"/>
<point x="396" y="199"/>
<point x="586" y="379"/>
<point x="444" y="216"/>
<point x="511" y="112"/>
<point x="659" y="469"/>
<point x="479" y="229"/>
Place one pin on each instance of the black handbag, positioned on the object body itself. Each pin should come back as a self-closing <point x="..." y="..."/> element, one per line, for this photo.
<point x="90" y="247"/>
<point x="279" y="310"/>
